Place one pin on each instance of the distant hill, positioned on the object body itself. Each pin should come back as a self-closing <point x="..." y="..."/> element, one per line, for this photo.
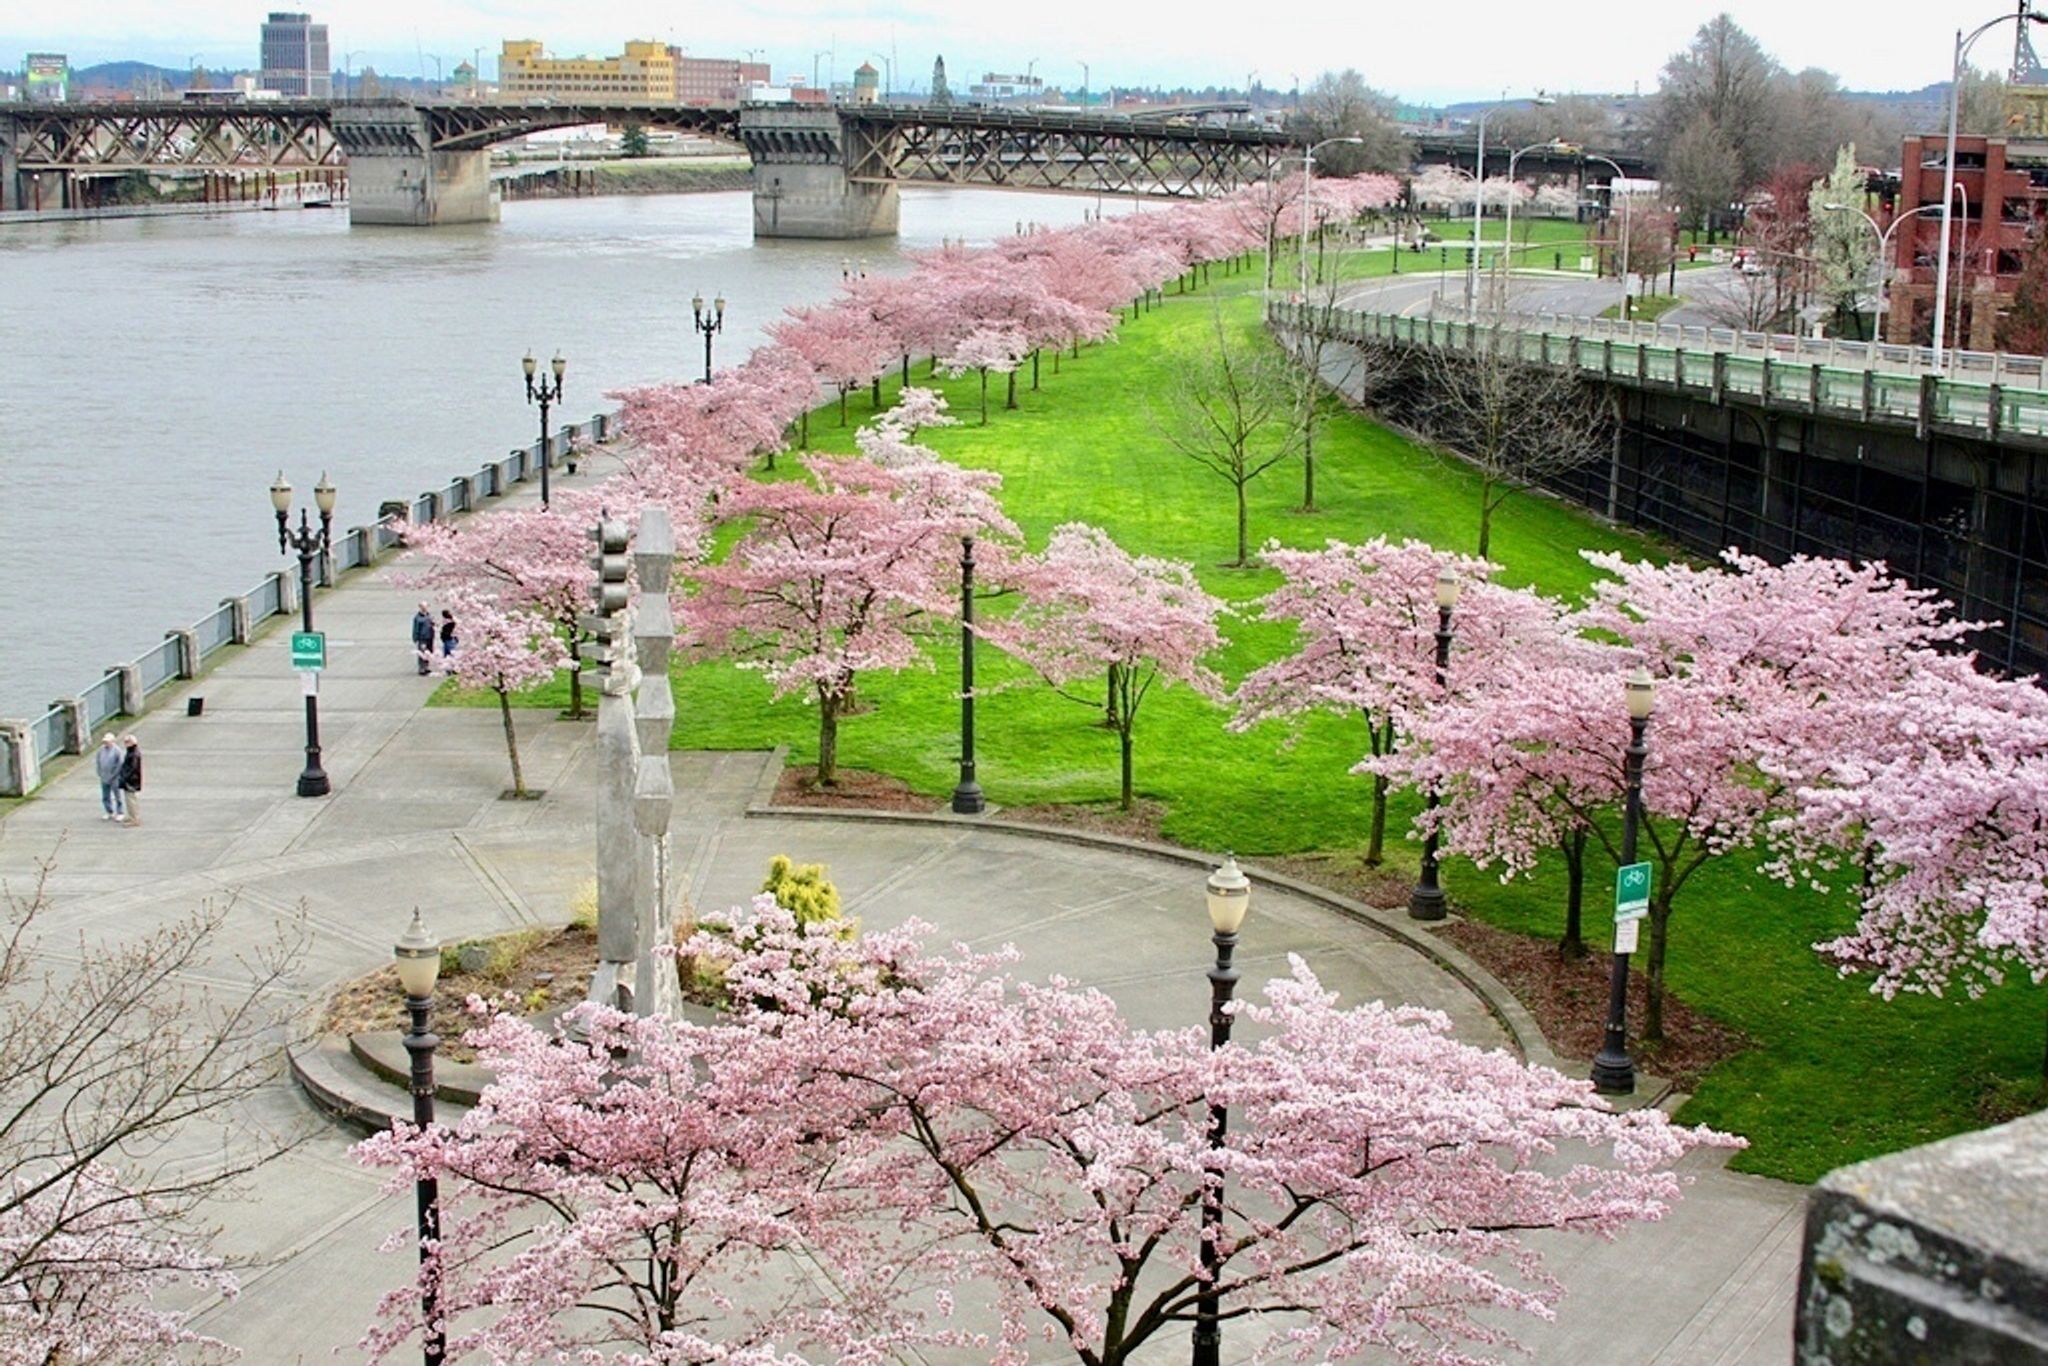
<point x="140" y="77"/>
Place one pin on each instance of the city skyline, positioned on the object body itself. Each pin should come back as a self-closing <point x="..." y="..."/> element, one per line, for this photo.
<point x="1055" y="38"/>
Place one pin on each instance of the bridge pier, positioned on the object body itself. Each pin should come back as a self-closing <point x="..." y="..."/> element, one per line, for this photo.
<point x="397" y="177"/>
<point x="801" y="184"/>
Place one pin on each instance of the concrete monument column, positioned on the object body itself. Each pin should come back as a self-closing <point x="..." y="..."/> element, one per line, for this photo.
<point x="654" y="710"/>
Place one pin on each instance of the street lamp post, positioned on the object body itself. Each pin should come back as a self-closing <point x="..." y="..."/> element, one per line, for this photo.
<point x="1948" y="188"/>
<point x="1614" y="192"/>
<point x="1427" y="900"/>
<point x="1229" y="896"/>
<point x="967" y="798"/>
<point x="419" y="967"/>
<point x="310" y="545"/>
<point x="1614" y="1072"/>
<point x="1508" y="225"/>
<point x="1479" y="200"/>
<point x="546" y="394"/>
<point x="1884" y="238"/>
<point x="1308" y="181"/>
<point x="708" y="321"/>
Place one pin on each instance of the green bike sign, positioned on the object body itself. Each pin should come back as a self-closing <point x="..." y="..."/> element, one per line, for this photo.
<point x="309" y="650"/>
<point x="1631" y="892"/>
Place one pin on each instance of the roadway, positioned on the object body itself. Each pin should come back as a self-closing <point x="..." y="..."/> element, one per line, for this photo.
<point x="1530" y="292"/>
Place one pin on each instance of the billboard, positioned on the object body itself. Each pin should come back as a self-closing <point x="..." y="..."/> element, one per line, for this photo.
<point x="48" y="75"/>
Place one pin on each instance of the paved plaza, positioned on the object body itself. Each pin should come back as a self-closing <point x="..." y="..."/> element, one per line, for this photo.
<point x="416" y="820"/>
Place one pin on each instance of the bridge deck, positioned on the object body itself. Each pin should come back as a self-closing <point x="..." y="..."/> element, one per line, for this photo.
<point x="2004" y="401"/>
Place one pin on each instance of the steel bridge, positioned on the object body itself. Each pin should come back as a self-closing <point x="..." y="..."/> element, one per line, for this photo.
<point x="420" y="162"/>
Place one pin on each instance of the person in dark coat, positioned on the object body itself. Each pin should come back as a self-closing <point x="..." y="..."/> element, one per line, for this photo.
<point x="447" y="632"/>
<point x="131" y="779"/>
<point x="423" y="636"/>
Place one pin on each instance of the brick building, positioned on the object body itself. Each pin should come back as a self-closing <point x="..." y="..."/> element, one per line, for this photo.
<point x="2005" y="181"/>
<point x="714" y="80"/>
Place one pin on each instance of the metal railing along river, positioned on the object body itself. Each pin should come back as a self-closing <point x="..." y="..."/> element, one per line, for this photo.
<point x="124" y="690"/>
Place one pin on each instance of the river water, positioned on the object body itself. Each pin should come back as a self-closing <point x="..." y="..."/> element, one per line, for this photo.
<point x="159" y="372"/>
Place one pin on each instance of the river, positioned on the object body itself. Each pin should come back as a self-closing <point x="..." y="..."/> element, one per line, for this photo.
<point x="159" y="372"/>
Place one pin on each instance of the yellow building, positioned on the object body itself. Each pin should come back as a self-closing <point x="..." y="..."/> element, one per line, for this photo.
<point x="646" y="71"/>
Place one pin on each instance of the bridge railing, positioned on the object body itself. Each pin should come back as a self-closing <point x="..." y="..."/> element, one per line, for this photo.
<point x="71" y="723"/>
<point x="1994" y="367"/>
<point x="1996" y="408"/>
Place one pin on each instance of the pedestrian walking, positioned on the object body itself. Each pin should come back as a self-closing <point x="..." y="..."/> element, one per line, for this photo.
<point x="131" y="780"/>
<point x="423" y="636"/>
<point x="447" y="632"/>
<point x="106" y="762"/>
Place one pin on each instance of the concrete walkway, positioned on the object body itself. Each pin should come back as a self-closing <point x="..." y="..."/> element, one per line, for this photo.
<point x="415" y="819"/>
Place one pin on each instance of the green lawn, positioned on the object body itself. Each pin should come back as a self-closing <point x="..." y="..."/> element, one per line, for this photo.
<point x="1838" y="1075"/>
<point x="1647" y="308"/>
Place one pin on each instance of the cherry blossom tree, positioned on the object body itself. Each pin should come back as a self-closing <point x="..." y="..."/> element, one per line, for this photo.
<point x="920" y="1124"/>
<point x="1365" y="620"/>
<point x="841" y="343"/>
<point x="1762" y="671"/>
<point x="833" y="573"/>
<point x="1090" y="607"/>
<point x="504" y="651"/>
<point x="995" y="347"/>
<point x="619" y="1177"/>
<point x="1375" y="1188"/>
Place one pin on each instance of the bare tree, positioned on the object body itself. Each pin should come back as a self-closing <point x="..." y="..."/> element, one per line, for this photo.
<point x="1704" y="173"/>
<point x="1325" y="370"/>
<point x="1234" y="411"/>
<point x="1736" y="298"/>
<point x="1341" y="104"/>
<point x="1517" y="423"/>
<point x="120" y="1086"/>
<point x="1726" y="82"/>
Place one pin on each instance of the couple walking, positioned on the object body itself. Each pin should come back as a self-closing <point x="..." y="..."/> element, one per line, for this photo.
<point x="423" y="632"/>
<point x="119" y="766"/>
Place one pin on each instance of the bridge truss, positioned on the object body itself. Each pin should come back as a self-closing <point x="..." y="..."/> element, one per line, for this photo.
<point x="169" y="136"/>
<point x="1058" y="151"/>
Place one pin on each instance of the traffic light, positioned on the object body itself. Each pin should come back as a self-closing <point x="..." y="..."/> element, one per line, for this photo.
<point x="612" y="566"/>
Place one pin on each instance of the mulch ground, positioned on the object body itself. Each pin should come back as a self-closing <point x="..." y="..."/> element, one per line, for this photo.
<point x="542" y="968"/>
<point x="857" y="789"/>
<point x="1568" y="997"/>
<point x="1141" y="822"/>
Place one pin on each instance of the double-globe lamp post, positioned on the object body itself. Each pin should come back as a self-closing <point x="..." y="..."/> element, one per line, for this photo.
<point x="1229" y="896"/>
<point x="1427" y="901"/>
<point x="1479" y="197"/>
<point x="709" y="321"/>
<point x="419" y="968"/>
<point x="1614" y="1072"/>
<point x="310" y="545"/>
<point x="1884" y="242"/>
<point x="546" y="394"/>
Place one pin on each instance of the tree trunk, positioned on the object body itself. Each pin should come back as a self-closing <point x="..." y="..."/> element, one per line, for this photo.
<point x="828" y="738"/>
<point x="1010" y="399"/>
<point x="805" y="439"/>
<point x="1308" y="466"/>
<point x="1653" y="972"/>
<point x="1485" y="516"/>
<point x="875" y="392"/>
<point x="1112" y="711"/>
<point x="1124" y="743"/>
<point x="575" y="679"/>
<point x="906" y="370"/>
<point x="1376" y="834"/>
<point x="1573" y="945"/>
<point x="1034" y="369"/>
<point x="511" y="741"/>
<point x="843" y="390"/>
<point x="1243" y="543"/>
<point x="984" y="396"/>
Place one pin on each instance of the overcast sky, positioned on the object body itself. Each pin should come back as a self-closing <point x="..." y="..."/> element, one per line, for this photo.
<point x="1426" y="52"/>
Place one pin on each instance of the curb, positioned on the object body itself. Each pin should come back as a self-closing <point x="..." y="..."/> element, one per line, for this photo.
<point x="1513" y="1016"/>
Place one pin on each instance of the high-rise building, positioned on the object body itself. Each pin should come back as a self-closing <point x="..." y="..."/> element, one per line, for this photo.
<point x="295" y="61"/>
<point x="645" y="71"/>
